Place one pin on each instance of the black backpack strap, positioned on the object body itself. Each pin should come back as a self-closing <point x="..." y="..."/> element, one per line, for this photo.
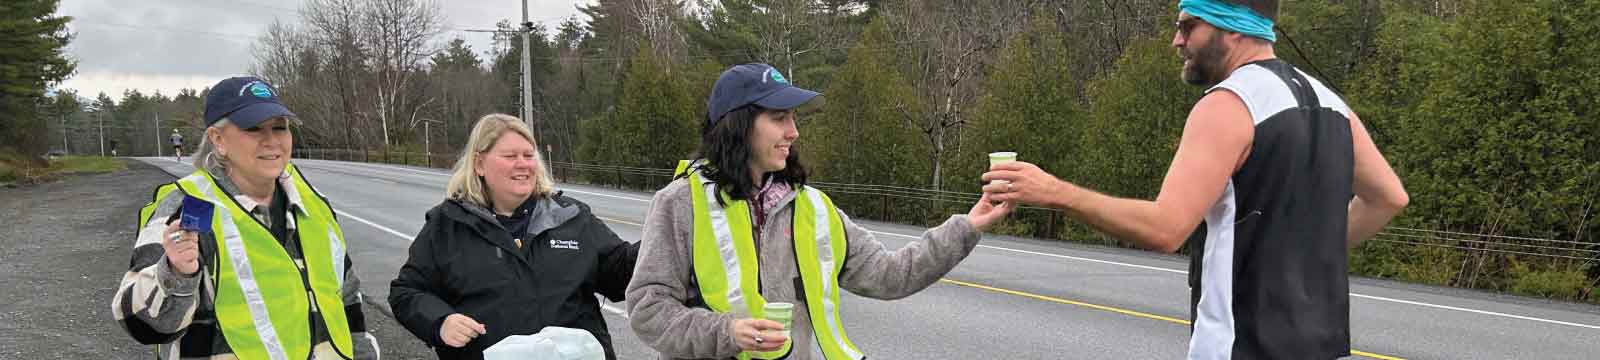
<point x="1304" y="94"/>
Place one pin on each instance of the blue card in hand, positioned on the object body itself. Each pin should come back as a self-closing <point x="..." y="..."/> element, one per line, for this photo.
<point x="196" y="215"/>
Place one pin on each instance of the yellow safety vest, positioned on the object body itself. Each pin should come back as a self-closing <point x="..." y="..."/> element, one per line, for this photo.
<point x="724" y="249"/>
<point x="262" y="302"/>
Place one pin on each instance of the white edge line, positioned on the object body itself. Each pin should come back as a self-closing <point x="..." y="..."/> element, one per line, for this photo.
<point x="375" y="225"/>
<point x="1408" y="302"/>
<point x="1476" y="311"/>
<point x="606" y="307"/>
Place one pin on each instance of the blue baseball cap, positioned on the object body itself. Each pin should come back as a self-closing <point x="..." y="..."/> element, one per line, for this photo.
<point x="245" y="101"/>
<point x="758" y="84"/>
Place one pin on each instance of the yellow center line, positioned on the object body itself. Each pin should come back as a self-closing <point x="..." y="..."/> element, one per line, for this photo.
<point x="1069" y="302"/>
<point x="1072" y="302"/>
<point x="1116" y="310"/>
<point x="620" y="221"/>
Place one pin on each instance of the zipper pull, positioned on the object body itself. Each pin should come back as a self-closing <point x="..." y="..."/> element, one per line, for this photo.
<point x="497" y="253"/>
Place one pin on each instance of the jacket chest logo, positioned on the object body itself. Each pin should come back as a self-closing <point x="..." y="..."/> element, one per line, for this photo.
<point x="563" y="244"/>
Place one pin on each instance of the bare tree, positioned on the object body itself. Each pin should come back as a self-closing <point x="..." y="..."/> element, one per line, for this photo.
<point x="798" y="27"/>
<point x="655" y="21"/>
<point x="286" y="56"/>
<point x="954" y="43"/>
<point x="399" y="35"/>
<point x="334" y="30"/>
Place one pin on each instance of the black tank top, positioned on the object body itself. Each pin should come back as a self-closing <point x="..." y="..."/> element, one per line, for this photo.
<point x="1269" y="271"/>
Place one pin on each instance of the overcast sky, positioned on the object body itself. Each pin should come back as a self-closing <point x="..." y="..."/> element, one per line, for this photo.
<point x="168" y="45"/>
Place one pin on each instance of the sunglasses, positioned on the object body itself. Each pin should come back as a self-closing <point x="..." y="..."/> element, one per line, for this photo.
<point x="1186" y="26"/>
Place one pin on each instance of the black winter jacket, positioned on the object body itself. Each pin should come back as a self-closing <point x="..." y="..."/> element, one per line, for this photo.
<point x="464" y="261"/>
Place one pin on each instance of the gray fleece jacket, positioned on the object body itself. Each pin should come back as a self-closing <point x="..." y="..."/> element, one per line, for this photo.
<point x="663" y="278"/>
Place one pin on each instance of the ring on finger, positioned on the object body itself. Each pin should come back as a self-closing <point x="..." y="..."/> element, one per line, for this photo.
<point x="758" y="339"/>
<point x="1010" y="186"/>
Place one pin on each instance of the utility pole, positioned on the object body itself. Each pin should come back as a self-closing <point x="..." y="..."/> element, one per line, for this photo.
<point x="527" y="68"/>
<point x="427" y="138"/>
<point x="102" y="117"/>
<point x="64" y="148"/>
<point x="156" y="118"/>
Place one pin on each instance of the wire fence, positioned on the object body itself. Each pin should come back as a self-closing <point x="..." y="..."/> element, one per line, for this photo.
<point x="916" y="205"/>
<point x="412" y="158"/>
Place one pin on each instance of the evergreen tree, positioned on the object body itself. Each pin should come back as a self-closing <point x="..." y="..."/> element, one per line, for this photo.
<point x="864" y="133"/>
<point x="32" y="37"/>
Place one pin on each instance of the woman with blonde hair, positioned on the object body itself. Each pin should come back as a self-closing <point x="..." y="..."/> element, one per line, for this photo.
<point x="506" y="254"/>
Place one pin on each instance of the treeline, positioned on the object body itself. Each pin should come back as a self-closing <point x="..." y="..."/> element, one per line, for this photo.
<point x="1487" y="109"/>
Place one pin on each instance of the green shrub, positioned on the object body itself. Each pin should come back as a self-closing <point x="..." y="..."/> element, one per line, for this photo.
<point x="1563" y="283"/>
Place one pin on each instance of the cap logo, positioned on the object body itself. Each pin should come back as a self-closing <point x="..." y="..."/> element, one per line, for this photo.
<point x="776" y="76"/>
<point x="259" y="89"/>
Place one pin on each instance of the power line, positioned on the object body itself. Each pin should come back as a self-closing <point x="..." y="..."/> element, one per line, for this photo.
<point x="1383" y="240"/>
<point x="1493" y="243"/>
<point x="1312" y="64"/>
<point x="889" y="47"/>
<point x="223" y="36"/>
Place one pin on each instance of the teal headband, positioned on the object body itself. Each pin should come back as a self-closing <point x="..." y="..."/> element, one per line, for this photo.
<point x="1231" y="17"/>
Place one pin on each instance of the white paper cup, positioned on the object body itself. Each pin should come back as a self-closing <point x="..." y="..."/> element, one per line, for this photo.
<point x="996" y="158"/>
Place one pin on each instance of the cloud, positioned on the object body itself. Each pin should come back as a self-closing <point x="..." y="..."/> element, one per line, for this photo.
<point x="90" y="83"/>
<point x="167" y="45"/>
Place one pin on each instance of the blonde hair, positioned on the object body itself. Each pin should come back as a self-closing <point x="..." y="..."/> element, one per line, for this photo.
<point x="464" y="182"/>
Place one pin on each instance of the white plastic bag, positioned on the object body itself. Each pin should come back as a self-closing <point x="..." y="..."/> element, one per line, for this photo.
<point x="551" y="343"/>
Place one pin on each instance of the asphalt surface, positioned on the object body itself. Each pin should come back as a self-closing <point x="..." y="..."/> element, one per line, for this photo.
<point x="63" y="249"/>
<point x="1012" y="298"/>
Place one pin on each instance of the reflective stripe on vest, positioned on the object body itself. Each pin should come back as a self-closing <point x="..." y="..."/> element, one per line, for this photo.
<point x="724" y="248"/>
<point x="816" y="227"/>
<point x="254" y="267"/>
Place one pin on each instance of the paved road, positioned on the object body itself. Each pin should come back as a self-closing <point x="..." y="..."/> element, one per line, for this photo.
<point x="1013" y="298"/>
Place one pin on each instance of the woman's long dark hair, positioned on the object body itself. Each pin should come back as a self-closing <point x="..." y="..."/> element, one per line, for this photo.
<point x="725" y="146"/>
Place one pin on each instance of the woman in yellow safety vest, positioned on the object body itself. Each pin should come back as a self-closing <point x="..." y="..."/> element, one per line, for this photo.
<point x="243" y="259"/>
<point x="739" y="229"/>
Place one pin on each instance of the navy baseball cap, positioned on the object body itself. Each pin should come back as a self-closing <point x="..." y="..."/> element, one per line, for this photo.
<point x="759" y="84"/>
<point x="245" y="101"/>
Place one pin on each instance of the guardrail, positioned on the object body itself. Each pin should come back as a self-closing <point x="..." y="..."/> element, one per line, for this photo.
<point x="413" y="158"/>
<point x="1475" y="243"/>
<point x="924" y="206"/>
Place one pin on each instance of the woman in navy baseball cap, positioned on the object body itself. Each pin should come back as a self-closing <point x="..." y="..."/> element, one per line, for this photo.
<point x="258" y="266"/>
<point x="739" y="258"/>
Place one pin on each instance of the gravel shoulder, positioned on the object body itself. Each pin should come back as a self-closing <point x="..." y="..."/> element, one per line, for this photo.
<point x="63" y="249"/>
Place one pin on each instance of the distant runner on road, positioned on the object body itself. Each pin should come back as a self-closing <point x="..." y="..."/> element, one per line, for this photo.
<point x="177" y="145"/>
